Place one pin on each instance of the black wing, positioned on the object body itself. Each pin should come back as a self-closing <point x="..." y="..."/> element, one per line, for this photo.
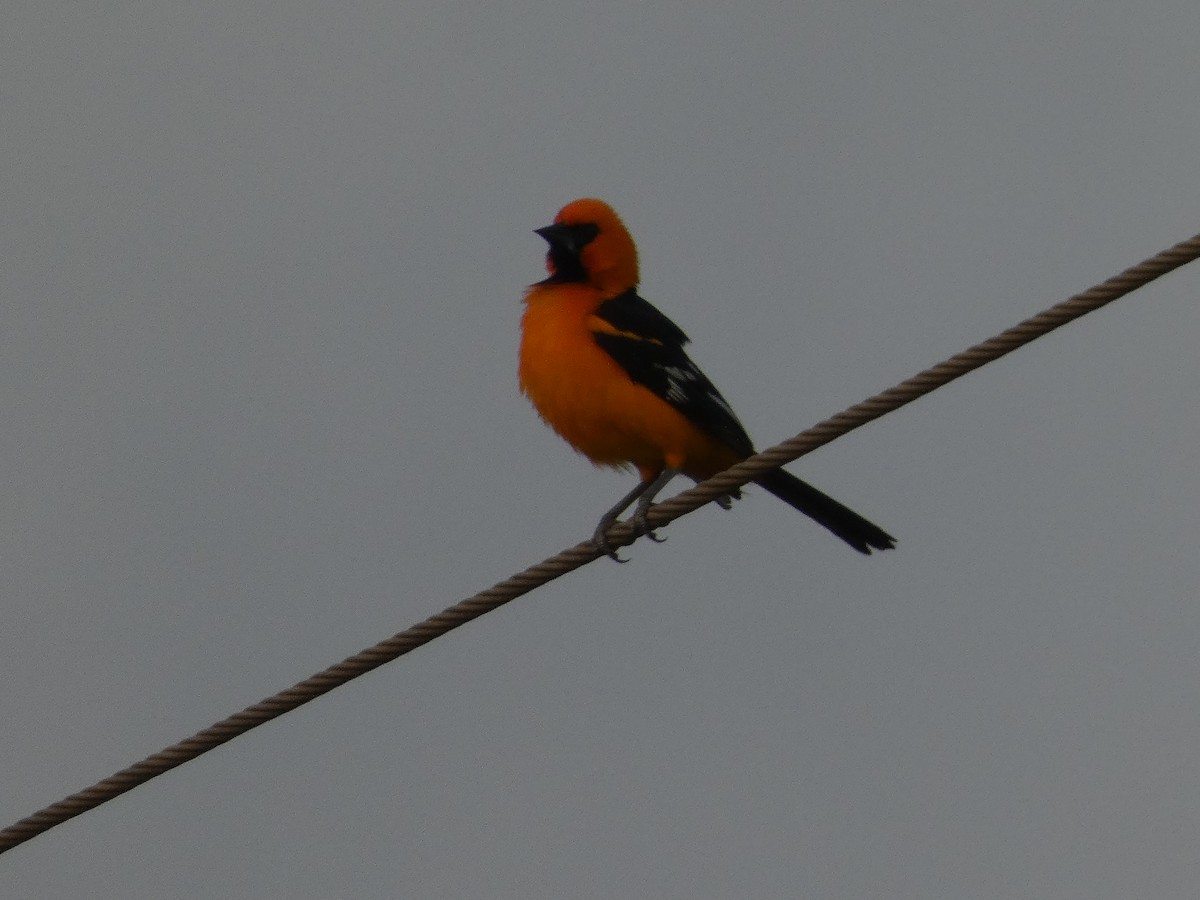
<point x="649" y="347"/>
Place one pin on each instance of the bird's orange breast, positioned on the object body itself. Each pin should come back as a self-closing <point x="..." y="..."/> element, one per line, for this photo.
<point x="592" y="403"/>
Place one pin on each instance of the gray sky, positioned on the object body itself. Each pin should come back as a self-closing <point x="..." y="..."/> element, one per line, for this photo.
<point x="261" y="267"/>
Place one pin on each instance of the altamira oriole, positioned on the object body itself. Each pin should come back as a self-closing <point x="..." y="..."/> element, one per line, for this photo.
<point x="608" y="372"/>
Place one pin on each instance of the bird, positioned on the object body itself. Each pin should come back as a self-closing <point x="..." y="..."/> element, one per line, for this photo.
<point x="608" y="372"/>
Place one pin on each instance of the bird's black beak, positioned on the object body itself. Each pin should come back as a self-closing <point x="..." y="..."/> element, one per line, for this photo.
<point x="566" y="246"/>
<point x="570" y="238"/>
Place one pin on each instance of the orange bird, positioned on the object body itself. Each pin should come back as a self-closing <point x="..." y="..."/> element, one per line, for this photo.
<point x="608" y="372"/>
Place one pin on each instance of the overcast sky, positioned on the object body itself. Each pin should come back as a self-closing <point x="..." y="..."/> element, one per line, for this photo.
<point x="260" y="273"/>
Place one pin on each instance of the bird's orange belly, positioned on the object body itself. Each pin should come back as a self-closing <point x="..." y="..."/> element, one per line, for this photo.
<point x="590" y="401"/>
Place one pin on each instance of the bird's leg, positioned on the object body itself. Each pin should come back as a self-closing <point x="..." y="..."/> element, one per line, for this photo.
<point x="644" y="494"/>
<point x="647" y="499"/>
<point x="600" y="535"/>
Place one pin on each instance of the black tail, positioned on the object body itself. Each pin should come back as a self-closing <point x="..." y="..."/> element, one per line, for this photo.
<point x="852" y="528"/>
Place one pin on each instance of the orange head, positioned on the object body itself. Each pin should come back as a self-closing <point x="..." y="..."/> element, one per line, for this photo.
<point x="589" y="244"/>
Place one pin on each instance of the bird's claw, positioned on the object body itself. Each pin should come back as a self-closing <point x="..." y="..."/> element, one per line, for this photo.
<point x="642" y="526"/>
<point x="600" y="539"/>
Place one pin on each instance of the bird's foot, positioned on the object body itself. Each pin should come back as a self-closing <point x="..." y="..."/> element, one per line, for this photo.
<point x="642" y="526"/>
<point x="600" y="539"/>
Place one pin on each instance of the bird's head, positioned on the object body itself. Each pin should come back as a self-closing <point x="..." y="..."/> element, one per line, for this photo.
<point x="590" y="244"/>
